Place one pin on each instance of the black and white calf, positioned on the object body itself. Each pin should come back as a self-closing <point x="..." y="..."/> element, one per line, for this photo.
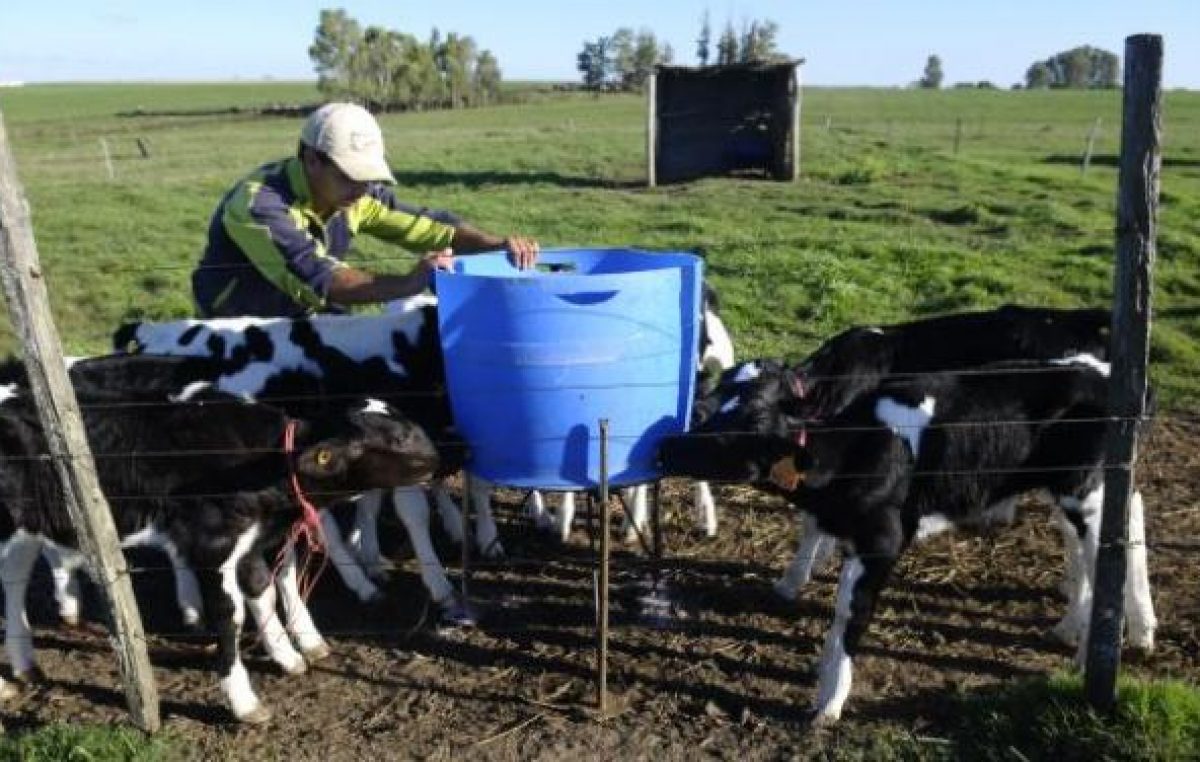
<point x="916" y="455"/>
<point x="859" y="359"/>
<point x="221" y="481"/>
<point x="296" y="363"/>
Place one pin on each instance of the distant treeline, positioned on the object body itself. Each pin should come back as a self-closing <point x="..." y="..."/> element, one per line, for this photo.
<point x="1082" y="67"/>
<point x="624" y="60"/>
<point x="393" y="71"/>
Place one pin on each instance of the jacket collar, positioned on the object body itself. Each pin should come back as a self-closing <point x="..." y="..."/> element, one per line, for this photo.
<point x="294" y="170"/>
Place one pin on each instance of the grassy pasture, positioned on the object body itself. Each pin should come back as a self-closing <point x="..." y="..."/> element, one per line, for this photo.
<point x="888" y="223"/>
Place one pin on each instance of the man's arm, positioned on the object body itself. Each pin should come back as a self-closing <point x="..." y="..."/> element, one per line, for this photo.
<point x="523" y="251"/>
<point x="349" y="285"/>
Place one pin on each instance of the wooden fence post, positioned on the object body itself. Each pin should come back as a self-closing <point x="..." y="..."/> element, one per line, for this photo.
<point x="1091" y="143"/>
<point x="58" y="411"/>
<point x="108" y="163"/>
<point x="602" y="582"/>
<point x="1137" y="222"/>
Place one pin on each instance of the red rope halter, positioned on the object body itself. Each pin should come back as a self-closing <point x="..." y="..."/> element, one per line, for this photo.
<point x="308" y="526"/>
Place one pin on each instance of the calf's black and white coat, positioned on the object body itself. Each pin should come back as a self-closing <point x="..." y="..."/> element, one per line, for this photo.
<point x="859" y="359"/>
<point x="911" y="457"/>
<point x="295" y="363"/>
<point x="213" y="481"/>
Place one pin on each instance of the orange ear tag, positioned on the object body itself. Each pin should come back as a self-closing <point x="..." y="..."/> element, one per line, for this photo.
<point x="784" y="474"/>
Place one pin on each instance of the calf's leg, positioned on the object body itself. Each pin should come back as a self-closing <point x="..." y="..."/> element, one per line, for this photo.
<point x="17" y="557"/>
<point x="815" y="547"/>
<point x="227" y="611"/>
<point x="256" y="583"/>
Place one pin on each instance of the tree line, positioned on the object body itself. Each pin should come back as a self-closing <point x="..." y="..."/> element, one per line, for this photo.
<point x="625" y="59"/>
<point x="389" y="70"/>
<point x="1083" y="67"/>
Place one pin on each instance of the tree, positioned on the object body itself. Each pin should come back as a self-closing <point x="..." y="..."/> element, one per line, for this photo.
<point x="336" y="38"/>
<point x="621" y="55"/>
<point x="373" y="65"/>
<point x="386" y="69"/>
<point x="595" y="63"/>
<point x="1038" y="75"/>
<point x="1082" y="67"/>
<point x="456" y="61"/>
<point x="758" y="42"/>
<point x="932" y="78"/>
<point x="646" y="56"/>
<point x="704" y="41"/>
<point x="727" y="46"/>
<point x="487" y="77"/>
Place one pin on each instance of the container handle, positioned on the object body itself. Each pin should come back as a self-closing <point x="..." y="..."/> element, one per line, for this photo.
<point x="584" y="298"/>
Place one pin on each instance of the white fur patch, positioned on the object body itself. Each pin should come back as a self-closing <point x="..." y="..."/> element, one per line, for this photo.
<point x="376" y="406"/>
<point x="720" y="346"/>
<point x="8" y="392"/>
<point x="189" y="391"/>
<point x="932" y="524"/>
<point x="908" y="422"/>
<point x="1087" y="359"/>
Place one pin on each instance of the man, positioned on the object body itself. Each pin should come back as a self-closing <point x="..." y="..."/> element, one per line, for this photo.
<point x="277" y="240"/>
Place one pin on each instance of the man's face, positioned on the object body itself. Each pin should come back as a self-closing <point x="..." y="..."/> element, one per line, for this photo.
<point x="331" y="188"/>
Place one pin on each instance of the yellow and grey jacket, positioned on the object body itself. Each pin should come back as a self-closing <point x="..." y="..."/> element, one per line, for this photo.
<point x="269" y="254"/>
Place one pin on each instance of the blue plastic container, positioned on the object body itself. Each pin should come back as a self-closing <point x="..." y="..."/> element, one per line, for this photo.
<point x="535" y="359"/>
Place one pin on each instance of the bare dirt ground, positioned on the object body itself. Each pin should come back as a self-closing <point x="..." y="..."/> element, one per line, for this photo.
<point x="727" y="673"/>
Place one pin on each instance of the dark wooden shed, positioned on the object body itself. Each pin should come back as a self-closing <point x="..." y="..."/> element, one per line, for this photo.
<point x="717" y="120"/>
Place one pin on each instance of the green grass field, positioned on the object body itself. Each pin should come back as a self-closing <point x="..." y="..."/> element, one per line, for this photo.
<point x="887" y="223"/>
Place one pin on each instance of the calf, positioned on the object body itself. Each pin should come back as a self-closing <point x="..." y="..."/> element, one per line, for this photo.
<point x="300" y="362"/>
<point x="912" y="457"/>
<point x="859" y="359"/>
<point x="221" y="480"/>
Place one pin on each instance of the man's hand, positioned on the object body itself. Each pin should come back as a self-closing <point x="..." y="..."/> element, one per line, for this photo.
<point x="522" y="251"/>
<point x="434" y="260"/>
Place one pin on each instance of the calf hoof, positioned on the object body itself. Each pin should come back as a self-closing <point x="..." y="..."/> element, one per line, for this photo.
<point x="295" y="666"/>
<point x="785" y="591"/>
<point x="259" y="715"/>
<point x="493" y="550"/>
<point x="374" y="598"/>
<point x="31" y="677"/>
<point x="8" y="692"/>
<point x="1067" y="633"/>
<point x="1142" y="641"/>
<point x="317" y="653"/>
<point x="820" y="720"/>
<point x="455" y="613"/>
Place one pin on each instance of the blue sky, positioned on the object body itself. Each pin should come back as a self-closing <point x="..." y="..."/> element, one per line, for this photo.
<point x="852" y="42"/>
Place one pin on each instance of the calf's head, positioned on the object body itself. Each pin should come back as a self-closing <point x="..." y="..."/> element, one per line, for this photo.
<point x="741" y="432"/>
<point x="353" y="450"/>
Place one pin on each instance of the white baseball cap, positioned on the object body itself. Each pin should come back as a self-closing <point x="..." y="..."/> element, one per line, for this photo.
<point x="351" y="138"/>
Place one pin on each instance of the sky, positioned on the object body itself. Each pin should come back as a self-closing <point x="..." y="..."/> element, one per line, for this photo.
<point x="844" y="43"/>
